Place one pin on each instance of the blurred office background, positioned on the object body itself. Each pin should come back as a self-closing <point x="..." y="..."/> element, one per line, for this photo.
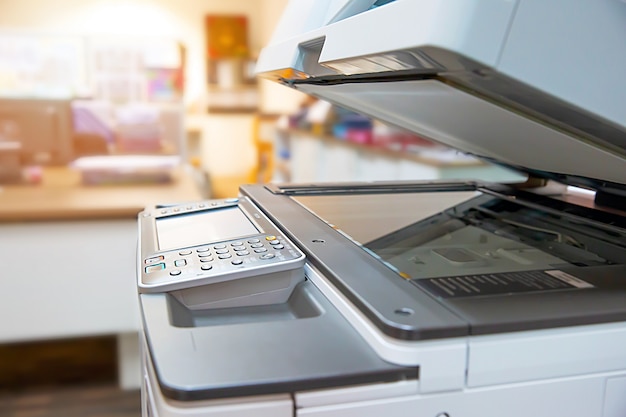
<point x="108" y="106"/>
<point x="159" y="78"/>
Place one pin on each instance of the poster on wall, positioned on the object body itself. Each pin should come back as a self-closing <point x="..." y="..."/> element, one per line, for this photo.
<point x="226" y="36"/>
<point x="42" y="66"/>
<point x="139" y="69"/>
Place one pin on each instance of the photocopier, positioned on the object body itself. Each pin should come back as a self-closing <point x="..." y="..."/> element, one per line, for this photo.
<point x="413" y="298"/>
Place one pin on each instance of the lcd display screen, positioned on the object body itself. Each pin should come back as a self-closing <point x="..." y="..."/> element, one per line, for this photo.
<point x="204" y="227"/>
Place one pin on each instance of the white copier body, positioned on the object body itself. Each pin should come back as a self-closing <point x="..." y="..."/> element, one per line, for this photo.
<point x="534" y="86"/>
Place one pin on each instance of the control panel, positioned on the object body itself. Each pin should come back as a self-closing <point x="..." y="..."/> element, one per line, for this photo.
<point x="210" y="242"/>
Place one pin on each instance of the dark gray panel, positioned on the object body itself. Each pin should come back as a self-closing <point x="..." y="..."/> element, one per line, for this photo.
<point x="279" y="355"/>
<point x="379" y="292"/>
<point x="604" y="303"/>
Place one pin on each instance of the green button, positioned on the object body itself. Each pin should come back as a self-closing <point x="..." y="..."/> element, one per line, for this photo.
<point x="156" y="267"/>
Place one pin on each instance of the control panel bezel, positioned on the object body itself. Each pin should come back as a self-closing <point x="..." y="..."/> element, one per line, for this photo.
<point x="213" y="261"/>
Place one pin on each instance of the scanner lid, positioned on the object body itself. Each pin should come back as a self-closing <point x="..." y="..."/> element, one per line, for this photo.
<point x="534" y="86"/>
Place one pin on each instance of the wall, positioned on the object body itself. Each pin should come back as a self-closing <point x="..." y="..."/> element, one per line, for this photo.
<point x="182" y="20"/>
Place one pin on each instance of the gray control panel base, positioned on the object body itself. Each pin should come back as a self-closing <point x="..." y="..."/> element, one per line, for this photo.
<point x="302" y="344"/>
<point x="273" y="288"/>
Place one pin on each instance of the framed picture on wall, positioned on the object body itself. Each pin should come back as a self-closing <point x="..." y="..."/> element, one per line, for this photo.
<point x="226" y="36"/>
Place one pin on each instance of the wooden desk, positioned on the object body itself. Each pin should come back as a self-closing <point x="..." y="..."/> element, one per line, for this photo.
<point x="61" y="196"/>
<point x="68" y="260"/>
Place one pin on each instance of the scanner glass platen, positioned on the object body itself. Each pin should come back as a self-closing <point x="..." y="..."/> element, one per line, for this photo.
<point x="469" y="234"/>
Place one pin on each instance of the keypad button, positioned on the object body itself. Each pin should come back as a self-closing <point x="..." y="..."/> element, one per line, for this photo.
<point x="253" y="240"/>
<point x="204" y="254"/>
<point x="184" y="252"/>
<point x="154" y="259"/>
<point x="242" y="253"/>
<point x="180" y="262"/>
<point x="154" y="268"/>
<point x="267" y="256"/>
<point x="225" y="256"/>
<point x="239" y="248"/>
<point x="219" y="247"/>
<point x="236" y="244"/>
<point x="256" y="245"/>
<point x="206" y="267"/>
<point x="277" y="247"/>
<point x="221" y="251"/>
<point x="274" y="242"/>
<point x="206" y="259"/>
<point x="260" y="250"/>
<point x="270" y="237"/>
<point x="203" y="249"/>
<point x="175" y="272"/>
<point x="237" y="261"/>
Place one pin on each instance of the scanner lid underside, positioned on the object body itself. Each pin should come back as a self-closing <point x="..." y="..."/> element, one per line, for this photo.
<point x="534" y="87"/>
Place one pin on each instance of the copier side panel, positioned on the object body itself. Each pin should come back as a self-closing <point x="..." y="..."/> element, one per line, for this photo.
<point x="537" y="355"/>
<point x="571" y="397"/>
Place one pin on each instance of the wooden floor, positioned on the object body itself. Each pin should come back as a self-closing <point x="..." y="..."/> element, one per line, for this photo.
<point x="64" y="378"/>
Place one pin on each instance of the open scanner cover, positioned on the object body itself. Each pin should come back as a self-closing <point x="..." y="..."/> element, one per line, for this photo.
<point x="535" y="86"/>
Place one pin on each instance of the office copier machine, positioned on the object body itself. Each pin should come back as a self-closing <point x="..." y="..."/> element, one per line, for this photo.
<point x="426" y="298"/>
